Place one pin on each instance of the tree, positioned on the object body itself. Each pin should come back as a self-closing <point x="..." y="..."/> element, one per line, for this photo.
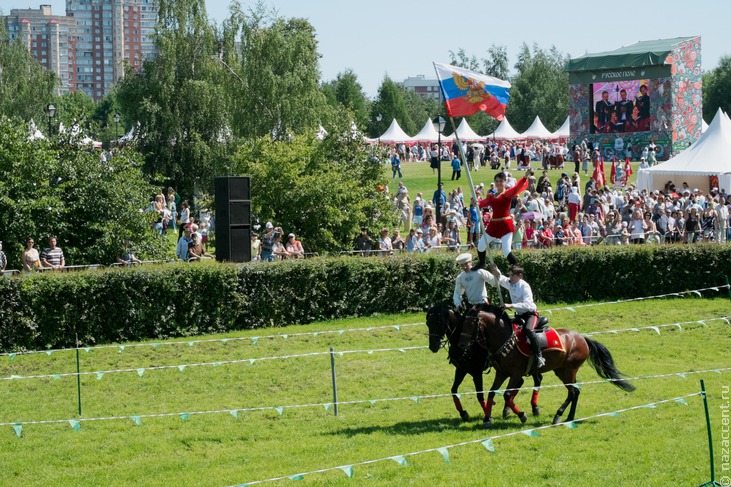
<point x="391" y="104"/>
<point x="540" y="87"/>
<point x="717" y="89"/>
<point x="25" y="87"/>
<point x="323" y="191"/>
<point x="49" y="188"/>
<point x="345" y="92"/>
<point x="179" y="99"/>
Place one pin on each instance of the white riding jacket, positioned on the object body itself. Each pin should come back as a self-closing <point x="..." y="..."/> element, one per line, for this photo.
<point x="472" y="283"/>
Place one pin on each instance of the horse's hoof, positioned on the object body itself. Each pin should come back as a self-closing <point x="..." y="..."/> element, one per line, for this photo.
<point x="523" y="417"/>
<point x="464" y="415"/>
<point x="556" y="419"/>
<point x="487" y="423"/>
<point x="536" y="411"/>
<point x="506" y="412"/>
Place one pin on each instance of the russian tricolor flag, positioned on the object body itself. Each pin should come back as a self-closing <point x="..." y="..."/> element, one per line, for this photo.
<point x="466" y="92"/>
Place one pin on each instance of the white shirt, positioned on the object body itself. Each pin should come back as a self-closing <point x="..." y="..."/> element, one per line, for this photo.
<point x="521" y="295"/>
<point x="473" y="284"/>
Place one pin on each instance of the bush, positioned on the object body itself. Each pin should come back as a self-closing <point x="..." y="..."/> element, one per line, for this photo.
<point x="48" y="310"/>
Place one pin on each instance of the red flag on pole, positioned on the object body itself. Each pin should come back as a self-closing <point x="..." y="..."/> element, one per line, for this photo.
<point x="613" y="175"/>
<point x="598" y="175"/>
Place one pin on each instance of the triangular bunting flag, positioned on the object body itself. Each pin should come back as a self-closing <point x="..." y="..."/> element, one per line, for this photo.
<point x="614" y="414"/>
<point x="217" y="364"/>
<point x="285" y="336"/>
<point x="655" y="329"/>
<point x="190" y="344"/>
<point x="18" y="429"/>
<point x="402" y="350"/>
<point x="571" y="309"/>
<point x="340" y="354"/>
<point x="415" y="399"/>
<point x="650" y="406"/>
<point x="56" y="376"/>
<point x="571" y="425"/>
<point x="75" y="425"/>
<point x="49" y="352"/>
<point x="327" y="406"/>
<point x="234" y="413"/>
<point x="347" y="470"/>
<point x="681" y="374"/>
<point x="136" y="419"/>
<point x="679" y="327"/>
<point x="156" y="345"/>
<point x="251" y="361"/>
<point x="532" y="433"/>
<point x="397" y="327"/>
<point x="400" y="460"/>
<point x="445" y="454"/>
<point x="11" y="357"/>
<point x="634" y="329"/>
<point x="254" y="340"/>
<point x="489" y="445"/>
<point x="87" y="349"/>
<point x="340" y="332"/>
<point x="373" y="401"/>
<point x="682" y="401"/>
<point x="140" y="372"/>
<point x="370" y="352"/>
<point x="99" y="375"/>
<point x="184" y="416"/>
<point x="703" y="323"/>
<point x="458" y="395"/>
<point x="698" y="293"/>
<point x="726" y="320"/>
<point x="549" y="312"/>
<point x="296" y="477"/>
<point x="121" y="348"/>
<point x="181" y="367"/>
<point x="315" y="334"/>
<point x="280" y="409"/>
<point x="224" y="341"/>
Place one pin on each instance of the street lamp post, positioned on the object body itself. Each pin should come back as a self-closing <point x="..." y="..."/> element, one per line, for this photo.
<point x="50" y="113"/>
<point x="117" y="118"/>
<point x="379" y="117"/>
<point x="439" y="124"/>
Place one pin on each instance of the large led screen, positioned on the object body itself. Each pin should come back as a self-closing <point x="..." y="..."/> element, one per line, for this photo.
<point x="620" y="107"/>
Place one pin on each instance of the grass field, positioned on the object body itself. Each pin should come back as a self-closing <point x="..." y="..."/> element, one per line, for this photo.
<point x="393" y="415"/>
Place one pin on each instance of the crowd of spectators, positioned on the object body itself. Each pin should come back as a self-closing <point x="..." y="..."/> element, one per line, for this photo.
<point x="271" y="247"/>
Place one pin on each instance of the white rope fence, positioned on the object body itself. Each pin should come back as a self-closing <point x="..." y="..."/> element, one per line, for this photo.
<point x="487" y="443"/>
<point x="137" y="419"/>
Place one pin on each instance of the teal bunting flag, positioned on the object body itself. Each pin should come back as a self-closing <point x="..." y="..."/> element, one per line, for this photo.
<point x="682" y="401"/>
<point x="445" y="454"/>
<point x="224" y="341"/>
<point x="400" y="460"/>
<point x="181" y="367"/>
<point x="681" y="375"/>
<point x="121" y="348"/>
<point x="340" y="332"/>
<point x="571" y="425"/>
<point x="315" y="334"/>
<point x="280" y="410"/>
<point x="136" y="419"/>
<point x="99" y="375"/>
<point x="327" y="406"/>
<point x="140" y="372"/>
<point x="373" y="401"/>
<point x="489" y="446"/>
<point x="56" y="376"/>
<point x="370" y="352"/>
<point x="615" y="414"/>
<point x="416" y="399"/>
<point x="650" y="406"/>
<point x="49" y="352"/>
<point x="285" y="336"/>
<point x="156" y="345"/>
<point x="234" y="413"/>
<point x="184" y="416"/>
<point x="251" y="361"/>
<point x="655" y="329"/>
<point x="11" y="357"/>
<point x="87" y="349"/>
<point x="255" y="340"/>
<point x="571" y="309"/>
<point x="347" y="470"/>
<point x="296" y="477"/>
<point x="531" y="433"/>
<point x="75" y="424"/>
<point x="190" y="344"/>
<point x="18" y="429"/>
<point x="397" y="327"/>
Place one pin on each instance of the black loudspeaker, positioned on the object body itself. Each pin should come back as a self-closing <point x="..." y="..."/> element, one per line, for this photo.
<point x="233" y="219"/>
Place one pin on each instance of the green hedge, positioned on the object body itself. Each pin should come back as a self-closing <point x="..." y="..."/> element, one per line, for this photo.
<point x="49" y="310"/>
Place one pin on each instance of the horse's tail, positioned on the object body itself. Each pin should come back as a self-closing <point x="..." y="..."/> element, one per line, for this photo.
<point x="603" y="363"/>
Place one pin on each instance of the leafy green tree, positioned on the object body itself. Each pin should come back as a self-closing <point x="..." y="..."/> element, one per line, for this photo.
<point x="391" y="103"/>
<point x="179" y="99"/>
<point x="420" y="108"/>
<point x="540" y="87"/>
<point x="717" y="89"/>
<point x="323" y="191"/>
<point x="49" y="188"/>
<point x="346" y="92"/>
<point x="25" y="86"/>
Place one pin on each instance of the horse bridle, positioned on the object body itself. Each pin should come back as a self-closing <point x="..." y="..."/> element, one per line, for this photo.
<point x="448" y="333"/>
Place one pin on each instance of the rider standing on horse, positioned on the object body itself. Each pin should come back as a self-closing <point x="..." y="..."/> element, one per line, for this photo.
<point x="472" y="284"/>
<point x="521" y="297"/>
<point x="501" y="225"/>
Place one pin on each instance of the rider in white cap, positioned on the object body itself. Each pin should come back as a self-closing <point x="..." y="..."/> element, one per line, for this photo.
<point x="472" y="284"/>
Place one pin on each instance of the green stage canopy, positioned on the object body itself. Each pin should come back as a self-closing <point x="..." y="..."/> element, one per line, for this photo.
<point x="640" y="54"/>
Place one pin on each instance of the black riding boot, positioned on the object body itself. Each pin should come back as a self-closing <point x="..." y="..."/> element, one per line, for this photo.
<point x="512" y="259"/>
<point x="533" y="342"/>
<point x="481" y="260"/>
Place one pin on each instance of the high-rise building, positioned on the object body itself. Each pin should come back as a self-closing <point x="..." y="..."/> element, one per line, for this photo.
<point x="89" y="47"/>
<point x="424" y="87"/>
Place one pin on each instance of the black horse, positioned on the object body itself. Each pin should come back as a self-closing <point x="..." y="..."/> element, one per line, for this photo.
<point x="442" y="320"/>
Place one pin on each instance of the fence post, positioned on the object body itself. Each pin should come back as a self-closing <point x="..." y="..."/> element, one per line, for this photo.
<point x="728" y="288"/>
<point x="710" y="436"/>
<point x="335" y="383"/>
<point x="78" y="373"/>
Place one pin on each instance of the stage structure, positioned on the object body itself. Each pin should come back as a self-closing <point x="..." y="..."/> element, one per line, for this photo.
<point x="626" y="99"/>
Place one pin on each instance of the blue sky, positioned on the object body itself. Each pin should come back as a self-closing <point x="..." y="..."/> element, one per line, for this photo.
<point x="401" y="38"/>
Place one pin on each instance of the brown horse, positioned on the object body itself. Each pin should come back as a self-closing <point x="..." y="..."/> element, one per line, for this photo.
<point x="504" y="355"/>
<point x="443" y="321"/>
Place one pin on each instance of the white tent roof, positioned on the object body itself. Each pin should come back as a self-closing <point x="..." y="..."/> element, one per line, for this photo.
<point x="536" y="130"/>
<point x="704" y="126"/>
<point x="465" y="132"/>
<point x="563" y="131"/>
<point x="708" y="156"/>
<point x="427" y="133"/>
<point x="394" y="134"/>
<point x="505" y="131"/>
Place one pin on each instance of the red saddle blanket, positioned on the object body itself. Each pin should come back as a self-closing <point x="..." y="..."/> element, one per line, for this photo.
<point x="549" y="339"/>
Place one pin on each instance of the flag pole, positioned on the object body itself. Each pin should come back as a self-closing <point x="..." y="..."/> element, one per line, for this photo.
<point x="474" y="195"/>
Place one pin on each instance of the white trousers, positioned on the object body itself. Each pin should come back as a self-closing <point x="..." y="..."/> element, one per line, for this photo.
<point x="505" y="241"/>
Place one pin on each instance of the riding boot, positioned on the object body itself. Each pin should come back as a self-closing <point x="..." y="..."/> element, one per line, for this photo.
<point x="533" y="342"/>
<point x="512" y="259"/>
<point x="481" y="260"/>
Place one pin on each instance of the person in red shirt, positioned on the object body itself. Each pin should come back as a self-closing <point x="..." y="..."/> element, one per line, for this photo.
<point x="501" y="225"/>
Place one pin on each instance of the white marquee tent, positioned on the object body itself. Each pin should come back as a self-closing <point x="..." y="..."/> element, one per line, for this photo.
<point x="563" y="131"/>
<point x="394" y="134"/>
<point x="427" y="134"/>
<point x="707" y="157"/>
<point x="465" y="132"/>
<point x="536" y="130"/>
<point x="505" y="131"/>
